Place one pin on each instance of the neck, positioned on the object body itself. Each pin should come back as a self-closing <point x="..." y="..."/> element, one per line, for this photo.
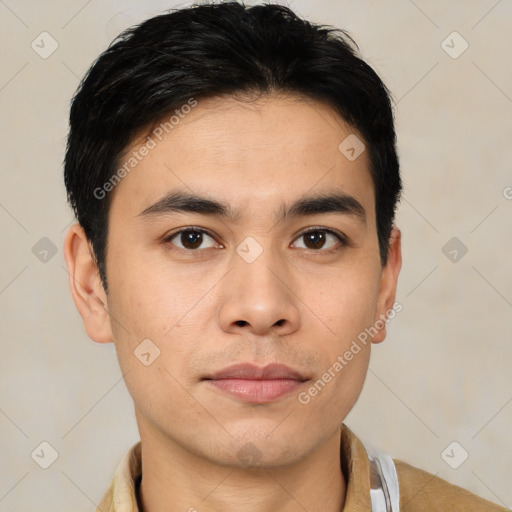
<point x="175" y="480"/>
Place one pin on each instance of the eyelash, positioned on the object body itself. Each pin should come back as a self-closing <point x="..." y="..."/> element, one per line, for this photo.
<point x="340" y="236"/>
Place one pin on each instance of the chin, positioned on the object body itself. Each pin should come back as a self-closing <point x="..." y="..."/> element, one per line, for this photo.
<point x="261" y="454"/>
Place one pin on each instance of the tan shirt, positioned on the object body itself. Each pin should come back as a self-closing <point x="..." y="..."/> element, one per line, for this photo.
<point x="419" y="491"/>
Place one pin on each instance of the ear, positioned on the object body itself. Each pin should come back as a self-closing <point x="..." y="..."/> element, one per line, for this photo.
<point x="85" y="284"/>
<point x="388" y="284"/>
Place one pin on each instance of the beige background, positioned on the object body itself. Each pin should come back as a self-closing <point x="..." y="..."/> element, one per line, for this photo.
<point x="443" y="374"/>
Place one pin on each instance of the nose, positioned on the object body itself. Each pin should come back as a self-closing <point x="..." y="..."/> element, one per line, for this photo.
<point x="259" y="297"/>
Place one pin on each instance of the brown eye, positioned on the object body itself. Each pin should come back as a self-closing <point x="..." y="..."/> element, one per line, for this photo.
<point x="190" y="239"/>
<point x="316" y="239"/>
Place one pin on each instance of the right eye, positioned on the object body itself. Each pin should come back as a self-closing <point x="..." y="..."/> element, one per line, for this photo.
<point x="190" y="238"/>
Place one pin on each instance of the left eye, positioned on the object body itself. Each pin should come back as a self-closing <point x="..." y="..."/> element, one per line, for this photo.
<point x="315" y="239"/>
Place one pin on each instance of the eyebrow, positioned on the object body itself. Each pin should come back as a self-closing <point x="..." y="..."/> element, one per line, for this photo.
<point x="178" y="201"/>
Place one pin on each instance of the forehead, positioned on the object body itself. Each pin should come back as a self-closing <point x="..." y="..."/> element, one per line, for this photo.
<point x="247" y="152"/>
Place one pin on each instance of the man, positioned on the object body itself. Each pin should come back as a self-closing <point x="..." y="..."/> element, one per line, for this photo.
<point x="234" y="175"/>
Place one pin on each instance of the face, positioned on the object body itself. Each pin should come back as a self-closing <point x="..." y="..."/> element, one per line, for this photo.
<point x="250" y="292"/>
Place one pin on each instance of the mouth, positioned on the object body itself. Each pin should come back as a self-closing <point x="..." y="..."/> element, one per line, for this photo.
<point x="254" y="384"/>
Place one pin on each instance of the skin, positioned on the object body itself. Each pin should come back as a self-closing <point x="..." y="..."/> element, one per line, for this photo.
<point x="254" y="156"/>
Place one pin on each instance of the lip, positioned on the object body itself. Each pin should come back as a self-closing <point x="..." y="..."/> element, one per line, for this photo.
<point x="256" y="384"/>
<point x="252" y="372"/>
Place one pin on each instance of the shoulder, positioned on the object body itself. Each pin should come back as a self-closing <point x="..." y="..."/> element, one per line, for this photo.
<point x="423" y="492"/>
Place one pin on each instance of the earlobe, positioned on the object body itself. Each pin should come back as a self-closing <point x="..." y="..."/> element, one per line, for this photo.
<point x="86" y="287"/>
<point x="388" y="284"/>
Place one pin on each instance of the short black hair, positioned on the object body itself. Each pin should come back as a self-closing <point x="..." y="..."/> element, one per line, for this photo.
<point x="214" y="50"/>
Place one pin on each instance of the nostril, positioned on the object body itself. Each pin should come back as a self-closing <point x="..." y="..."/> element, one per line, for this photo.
<point x="240" y="323"/>
<point x="280" y="322"/>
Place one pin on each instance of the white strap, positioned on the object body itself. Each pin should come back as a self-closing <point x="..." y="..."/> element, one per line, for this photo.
<point x="384" y="489"/>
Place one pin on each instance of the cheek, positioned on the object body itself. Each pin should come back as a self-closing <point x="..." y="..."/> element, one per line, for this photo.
<point x="152" y="310"/>
<point x="345" y="300"/>
<point x="148" y="295"/>
<point x="344" y="305"/>
<point x="145" y="321"/>
<point x="333" y="392"/>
